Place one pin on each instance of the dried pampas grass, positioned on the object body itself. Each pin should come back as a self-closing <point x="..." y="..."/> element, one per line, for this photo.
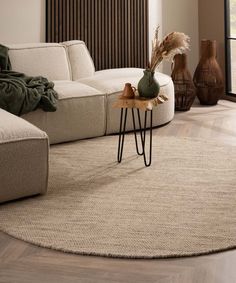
<point x="174" y="43"/>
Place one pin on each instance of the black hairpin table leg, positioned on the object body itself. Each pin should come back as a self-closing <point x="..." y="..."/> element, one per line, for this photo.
<point x="135" y="133"/>
<point x="121" y="134"/>
<point x="143" y="137"/>
<point x="123" y="119"/>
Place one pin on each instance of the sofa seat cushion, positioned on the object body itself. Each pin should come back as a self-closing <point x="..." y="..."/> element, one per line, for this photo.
<point x="80" y="113"/>
<point x="71" y="89"/>
<point x="49" y="60"/>
<point x="24" y="158"/>
<point x="13" y="128"/>
<point x="113" y="80"/>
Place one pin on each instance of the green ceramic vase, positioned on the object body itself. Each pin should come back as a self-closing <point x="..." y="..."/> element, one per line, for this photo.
<point x="148" y="87"/>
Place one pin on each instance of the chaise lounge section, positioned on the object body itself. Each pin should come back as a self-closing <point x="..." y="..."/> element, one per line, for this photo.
<point x="24" y="158"/>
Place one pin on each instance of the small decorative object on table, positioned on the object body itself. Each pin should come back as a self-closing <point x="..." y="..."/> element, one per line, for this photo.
<point x="208" y="77"/>
<point x="185" y="92"/>
<point x="129" y="91"/>
<point x="174" y="43"/>
<point x="148" y="87"/>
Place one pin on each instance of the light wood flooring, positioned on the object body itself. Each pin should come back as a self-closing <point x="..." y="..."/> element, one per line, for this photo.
<point x="22" y="262"/>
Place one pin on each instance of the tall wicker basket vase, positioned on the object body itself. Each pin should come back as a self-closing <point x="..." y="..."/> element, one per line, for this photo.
<point x="184" y="87"/>
<point x="208" y="77"/>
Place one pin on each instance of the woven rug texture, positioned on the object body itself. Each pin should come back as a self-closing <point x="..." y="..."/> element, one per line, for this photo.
<point x="183" y="205"/>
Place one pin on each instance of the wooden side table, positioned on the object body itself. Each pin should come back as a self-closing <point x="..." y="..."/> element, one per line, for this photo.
<point x="137" y="104"/>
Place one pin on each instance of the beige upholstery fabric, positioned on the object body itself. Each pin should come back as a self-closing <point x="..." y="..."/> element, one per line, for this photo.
<point x="80" y="59"/>
<point x="85" y="104"/>
<point x="24" y="158"/>
<point x="80" y="113"/>
<point x="41" y="59"/>
<point x="112" y="82"/>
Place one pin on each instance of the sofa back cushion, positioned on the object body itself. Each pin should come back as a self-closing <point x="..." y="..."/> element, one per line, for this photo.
<point x="41" y="59"/>
<point x="82" y="65"/>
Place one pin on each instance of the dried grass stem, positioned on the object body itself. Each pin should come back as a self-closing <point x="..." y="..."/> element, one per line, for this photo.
<point x="174" y="43"/>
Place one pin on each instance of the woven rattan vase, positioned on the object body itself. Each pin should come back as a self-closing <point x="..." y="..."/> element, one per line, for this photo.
<point x="208" y="77"/>
<point x="184" y="87"/>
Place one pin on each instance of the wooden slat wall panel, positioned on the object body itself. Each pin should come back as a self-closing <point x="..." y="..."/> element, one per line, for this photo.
<point x="115" y="31"/>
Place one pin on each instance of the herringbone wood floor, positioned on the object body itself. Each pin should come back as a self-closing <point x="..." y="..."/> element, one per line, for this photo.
<point x="22" y="262"/>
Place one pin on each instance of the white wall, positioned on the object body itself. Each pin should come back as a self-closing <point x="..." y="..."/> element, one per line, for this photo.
<point x="182" y="15"/>
<point x="22" y="21"/>
<point x="155" y="19"/>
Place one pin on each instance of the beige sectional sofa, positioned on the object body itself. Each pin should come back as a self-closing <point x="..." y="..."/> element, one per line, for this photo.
<point x="84" y="111"/>
<point x="85" y="96"/>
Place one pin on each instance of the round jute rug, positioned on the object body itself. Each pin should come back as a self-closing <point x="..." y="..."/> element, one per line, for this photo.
<point x="184" y="204"/>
